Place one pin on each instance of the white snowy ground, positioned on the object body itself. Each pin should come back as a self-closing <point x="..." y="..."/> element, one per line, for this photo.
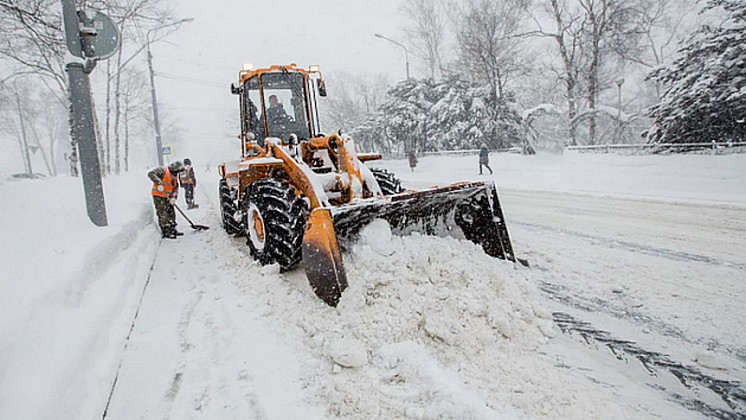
<point x="651" y="249"/>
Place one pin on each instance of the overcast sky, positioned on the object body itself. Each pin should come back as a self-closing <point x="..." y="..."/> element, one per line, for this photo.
<point x="196" y="65"/>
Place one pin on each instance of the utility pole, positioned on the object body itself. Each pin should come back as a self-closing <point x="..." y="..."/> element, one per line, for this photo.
<point x="86" y="46"/>
<point x="158" y="143"/>
<point x="156" y="121"/>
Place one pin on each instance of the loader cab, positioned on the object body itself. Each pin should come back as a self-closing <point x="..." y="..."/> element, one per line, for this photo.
<point x="278" y="102"/>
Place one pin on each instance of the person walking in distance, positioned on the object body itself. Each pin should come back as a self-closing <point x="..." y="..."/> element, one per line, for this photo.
<point x="188" y="182"/>
<point x="412" y="159"/>
<point x="165" y="191"/>
<point x="484" y="159"/>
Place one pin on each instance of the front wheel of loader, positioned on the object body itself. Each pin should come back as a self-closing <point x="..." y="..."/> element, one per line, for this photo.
<point x="387" y="181"/>
<point x="228" y="209"/>
<point x="275" y="219"/>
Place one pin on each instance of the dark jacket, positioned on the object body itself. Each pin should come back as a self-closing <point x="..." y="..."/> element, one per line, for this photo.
<point x="412" y="159"/>
<point x="484" y="156"/>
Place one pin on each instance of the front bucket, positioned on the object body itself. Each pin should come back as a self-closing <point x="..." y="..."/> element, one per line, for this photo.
<point x="466" y="211"/>
<point x="322" y="259"/>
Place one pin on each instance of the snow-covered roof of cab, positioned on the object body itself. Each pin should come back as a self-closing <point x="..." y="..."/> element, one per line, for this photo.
<point x="249" y="70"/>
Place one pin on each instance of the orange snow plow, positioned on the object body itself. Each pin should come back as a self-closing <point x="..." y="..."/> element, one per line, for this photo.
<point x="294" y="192"/>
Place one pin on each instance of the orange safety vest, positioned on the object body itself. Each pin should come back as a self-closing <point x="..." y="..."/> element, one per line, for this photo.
<point x="185" y="176"/>
<point x="168" y="182"/>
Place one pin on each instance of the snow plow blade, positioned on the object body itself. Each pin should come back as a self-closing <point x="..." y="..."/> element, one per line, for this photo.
<point x="322" y="259"/>
<point x="465" y="211"/>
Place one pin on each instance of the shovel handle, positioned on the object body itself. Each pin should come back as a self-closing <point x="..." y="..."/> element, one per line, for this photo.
<point x="182" y="213"/>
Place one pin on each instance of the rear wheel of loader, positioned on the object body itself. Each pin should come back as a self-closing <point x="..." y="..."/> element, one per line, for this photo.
<point x="388" y="182"/>
<point x="275" y="220"/>
<point x="228" y="210"/>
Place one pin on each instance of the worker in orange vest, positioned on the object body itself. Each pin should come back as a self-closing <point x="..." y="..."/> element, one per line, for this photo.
<point x="188" y="182"/>
<point x="165" y="191"/>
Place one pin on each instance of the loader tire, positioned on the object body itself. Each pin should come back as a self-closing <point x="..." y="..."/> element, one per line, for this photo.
<point x="227" y="210"/>
<point x="275" y="221"/>
<point x="388" y="182"/>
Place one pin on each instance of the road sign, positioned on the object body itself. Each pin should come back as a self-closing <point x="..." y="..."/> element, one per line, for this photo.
<point x="99" y="36"/>
<point x="166" y="151"/>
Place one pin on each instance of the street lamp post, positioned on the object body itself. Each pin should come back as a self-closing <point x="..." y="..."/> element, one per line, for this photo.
<point x="619" y="83"/>
<point x="156" y="122"/>
<point x="406" y="53"/>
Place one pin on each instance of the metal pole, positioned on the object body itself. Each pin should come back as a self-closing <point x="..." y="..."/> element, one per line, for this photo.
<point x="80" y="98"/>
<point x="619" y="83"/>
<point x="156" y="122"/>
<point x="406" y="53"/>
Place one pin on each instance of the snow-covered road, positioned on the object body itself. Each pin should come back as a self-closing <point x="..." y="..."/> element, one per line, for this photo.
<point x="219" y="336"/>
<point x="681" y="264"/>
<point x="629" y="296"/>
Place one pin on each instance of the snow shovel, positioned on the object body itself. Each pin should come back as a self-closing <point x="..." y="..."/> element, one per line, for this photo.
<point x="195" y="227"/>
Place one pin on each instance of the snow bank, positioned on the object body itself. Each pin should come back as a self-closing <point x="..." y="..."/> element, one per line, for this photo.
<point x="68" y="289"/>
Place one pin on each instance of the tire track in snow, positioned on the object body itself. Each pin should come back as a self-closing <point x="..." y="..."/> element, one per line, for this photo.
<point x="695" y="381"/>
<point x="594" y="303"/>
<point x="635" y="247"/>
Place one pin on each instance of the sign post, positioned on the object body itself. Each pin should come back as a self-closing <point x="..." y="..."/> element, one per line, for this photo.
<point x="89" y="37"/>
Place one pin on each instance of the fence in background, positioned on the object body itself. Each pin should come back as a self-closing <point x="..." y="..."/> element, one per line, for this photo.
<point x="642" y="149"/>
<point x="664" y="148"/>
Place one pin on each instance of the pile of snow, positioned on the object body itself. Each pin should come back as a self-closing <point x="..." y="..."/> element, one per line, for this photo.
<point x="428" y="328"/>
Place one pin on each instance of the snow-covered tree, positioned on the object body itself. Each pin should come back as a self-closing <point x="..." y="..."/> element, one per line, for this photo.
<point x="423" y="116"/>
<point x="400" y="123"/>
<point x="704" y="96"/>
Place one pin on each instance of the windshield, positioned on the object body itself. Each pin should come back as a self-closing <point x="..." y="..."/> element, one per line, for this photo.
<point x="285" y="105"/>
<point x="252" y="104"/>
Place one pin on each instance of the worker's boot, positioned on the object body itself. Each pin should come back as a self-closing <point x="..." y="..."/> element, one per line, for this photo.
<point x="176" y="232"/>
<point x="168" y="233"/>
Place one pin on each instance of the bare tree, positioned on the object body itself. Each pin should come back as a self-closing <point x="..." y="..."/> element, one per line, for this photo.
<point x="566" y="34"/>
<point x="426" y="32"/>
<point x="489" y="42"/>
<point x="354" y="99"/>
<point x="46" y="125"/>
<point x="609" y="26"/>
<point x="32" y="40"/>
<point x="130" y="16"/>
<point x="589" y="35"/>
<point x="37" y="123"/>
<point x="662" y="25"/>
<point x="135" y="105"/>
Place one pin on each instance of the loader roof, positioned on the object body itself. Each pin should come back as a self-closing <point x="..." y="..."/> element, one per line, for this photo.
<point x="246" y="73"/>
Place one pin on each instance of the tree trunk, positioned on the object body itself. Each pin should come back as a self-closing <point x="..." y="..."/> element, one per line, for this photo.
<point x="108" y="116"/>
<point x="593" y="86"/>
<point x="117" y="99"/>
<point x="569" y="78"/>
<point x="51" y="152"/>
<point x="126" y="139"/>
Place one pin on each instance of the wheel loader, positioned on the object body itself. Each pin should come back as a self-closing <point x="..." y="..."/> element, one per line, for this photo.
<point x="294" y="193"/>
